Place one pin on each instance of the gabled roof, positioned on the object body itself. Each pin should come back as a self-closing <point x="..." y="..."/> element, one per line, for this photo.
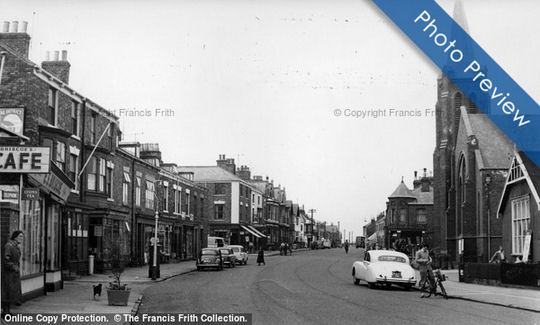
<point x="530" y="174"/>
<point x="402" y="191"/>
<point x="209" y="174"/>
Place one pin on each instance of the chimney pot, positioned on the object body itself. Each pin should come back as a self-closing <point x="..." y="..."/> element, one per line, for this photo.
<point x="415" y="174"/>
<point x="48" y="56"/>
<point x="64" y="55"/>
<point x="56" y="55"/>
<point x="14" y="26"/>
<point x="5" y="27"/>
<point x="24" y="26"/>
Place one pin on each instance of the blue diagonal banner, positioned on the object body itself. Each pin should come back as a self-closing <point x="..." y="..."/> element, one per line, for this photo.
<point x="470" y="68"/>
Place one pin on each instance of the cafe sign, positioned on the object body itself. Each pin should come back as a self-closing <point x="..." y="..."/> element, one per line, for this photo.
<point x="33" y="160"/>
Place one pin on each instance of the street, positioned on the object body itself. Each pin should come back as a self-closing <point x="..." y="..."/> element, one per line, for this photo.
<point x="314" y="287"/>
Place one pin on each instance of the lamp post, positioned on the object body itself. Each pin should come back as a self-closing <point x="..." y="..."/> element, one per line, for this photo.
<point x="154" y="262"/>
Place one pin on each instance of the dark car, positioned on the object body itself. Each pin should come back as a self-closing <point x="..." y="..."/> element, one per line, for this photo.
<point x="210" y="258"/>
<point x="228" y="256"/>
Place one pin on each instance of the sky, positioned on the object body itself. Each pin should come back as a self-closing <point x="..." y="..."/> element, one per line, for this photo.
<point x="264" y="81"/>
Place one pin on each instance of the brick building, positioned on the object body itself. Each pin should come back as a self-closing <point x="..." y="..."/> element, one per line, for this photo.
<point x="470" y="162"/>
<point x="408" y="212"/>
<point x="57" y="117"/>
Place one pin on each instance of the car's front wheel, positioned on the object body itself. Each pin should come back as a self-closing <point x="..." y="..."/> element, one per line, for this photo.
<point x="356" y="281"/>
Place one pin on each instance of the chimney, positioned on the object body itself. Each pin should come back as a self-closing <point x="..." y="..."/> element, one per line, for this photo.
<point x="426" y="181"/>
<point x="14" y="36"/>
<point x="416" y="183"/>
<point x="227" y="164"/>
<point x="58" y="65"/>
<point x="244" y="173"/>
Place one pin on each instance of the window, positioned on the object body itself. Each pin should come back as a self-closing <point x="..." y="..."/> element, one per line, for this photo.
<point x="92" y="174"/>
<point x="102" y="174"/>
<point x="138" y="191"/>
<point x="74" y="170"/>
<point x="53" y="254"/>
<point x="149" y="195"/>
<point x="75" y="118"/>
<point x="219" y="211"/>
<point x="403" y="215"/>
<point x="109" y="180"/>
<point x="53" y="106"/>
<point x="31" y="248"/>
<point x="165" y="197"/>
<point x="521" y="218"/>
<point x="93" y="127"/>
<point x="61" y="155"/>
<point x="188" y="211"/>
<point x="125" y="188"/>
<point x="421" y="216"/>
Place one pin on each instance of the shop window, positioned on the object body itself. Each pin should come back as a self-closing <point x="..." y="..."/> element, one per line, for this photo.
<point x="53" y="219"/>
<point x="31" y="248"/>
<point x="521" y="219"/>
<point x="92" y="170"/>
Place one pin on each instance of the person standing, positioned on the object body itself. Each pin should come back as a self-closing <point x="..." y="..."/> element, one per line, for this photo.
<point x="346" y="247"/>
<point x="423" y="260"/>
<point x="260" y="257"/>
<point x="11" y="274"/>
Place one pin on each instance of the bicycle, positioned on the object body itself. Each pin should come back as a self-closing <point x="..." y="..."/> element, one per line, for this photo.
<point x="433" y="280"/>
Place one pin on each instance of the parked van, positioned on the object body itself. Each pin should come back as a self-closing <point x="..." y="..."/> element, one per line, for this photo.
<point x="215" y="242"/>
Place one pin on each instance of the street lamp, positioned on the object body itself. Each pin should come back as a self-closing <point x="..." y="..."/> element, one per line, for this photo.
<point x="154" y="262"/>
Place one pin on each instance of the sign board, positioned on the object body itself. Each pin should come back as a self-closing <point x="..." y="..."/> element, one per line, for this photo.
<point x="12" y="119"/>
<point x="9" y="193"/>
<point x="54" y="184"/>
<point x="18" y="160"/>
<point x="30" y="194"/>
<point x="526" y="248"/>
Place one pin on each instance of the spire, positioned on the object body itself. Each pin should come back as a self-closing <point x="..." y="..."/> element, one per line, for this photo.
<point x="459" y="15"/>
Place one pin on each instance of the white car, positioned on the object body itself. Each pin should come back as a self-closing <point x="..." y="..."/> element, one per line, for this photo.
<point x="240" y="253"/>
<point x="384" y="267"/>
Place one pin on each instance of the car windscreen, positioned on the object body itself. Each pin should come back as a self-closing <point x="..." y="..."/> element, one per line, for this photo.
<point x="390" y="258"/>
<point x="209" y="252"/>
<point x="225" y="252"/>
<point x="236" y="249"/>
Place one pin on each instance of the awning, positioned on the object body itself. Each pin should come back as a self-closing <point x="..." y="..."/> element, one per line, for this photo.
<point x="250" y="231"/>
<point x="373" y="237"/>
<point x="258" y="232"/>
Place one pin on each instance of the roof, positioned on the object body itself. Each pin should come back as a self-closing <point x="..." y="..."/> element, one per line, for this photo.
<point x="531" y="175"/>
<point x="423" y="197"/>
<point x="209" y="174"/>
<point x="495" y="147"/>
<point x="375" y="253"/>
<point x="402" y="191"/>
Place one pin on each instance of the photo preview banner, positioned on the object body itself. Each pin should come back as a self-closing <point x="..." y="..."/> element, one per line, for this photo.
<point x="451" y="48"/>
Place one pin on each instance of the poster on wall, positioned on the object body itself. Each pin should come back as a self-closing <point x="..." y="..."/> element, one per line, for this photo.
<point x="526" y="247"/>
<point x="12" y="119"/>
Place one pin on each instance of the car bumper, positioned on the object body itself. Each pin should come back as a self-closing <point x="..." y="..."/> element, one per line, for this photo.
<point x="396" y="280"/>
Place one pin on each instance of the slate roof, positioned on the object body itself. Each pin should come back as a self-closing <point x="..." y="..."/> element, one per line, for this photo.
<point x="494" y="145"/>
<point x="209" y="174"/>
<point x="422" y="197"/>
<point x="402" y="191"/>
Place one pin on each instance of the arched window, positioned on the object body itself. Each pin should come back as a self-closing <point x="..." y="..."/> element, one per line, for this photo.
<point x="462" y="174"/>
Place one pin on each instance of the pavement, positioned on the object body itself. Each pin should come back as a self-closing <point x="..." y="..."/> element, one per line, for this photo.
<point x="76" y="297"/>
